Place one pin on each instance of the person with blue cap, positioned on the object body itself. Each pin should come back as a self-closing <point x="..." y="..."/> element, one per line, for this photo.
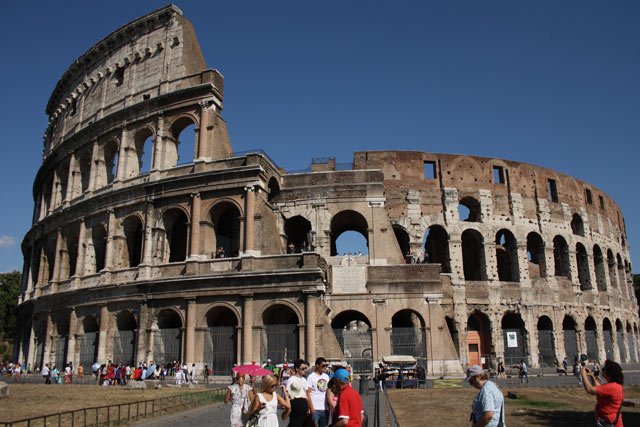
<point x="350" y="408"/>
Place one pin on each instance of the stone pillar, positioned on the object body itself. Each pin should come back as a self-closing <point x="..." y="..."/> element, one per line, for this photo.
<point x="31" y="356"/>
<point x="491" y="261"/>
<point x="82" y="248"/>
<point x="194" y="238"/>
<point x="48" y="340"/>
<point x="250" y="200"/>
<point x="122" y="157"/>
<point x="523" y="263"/>
<point x="190" y="331"/>
<point x="94" y="168"/>
<point x="202" y="132"/>
<point x="109" y="249"/>
<point x="247" y="330"/>
<point x="102" y="337"/>
<point x="71" y="343"/>
<point x="57" y="267"/>
<point x="71" y="178"/>
<point x="310" y="329"/>
<point x="142" y="338"/>
<point x="156" y="161"/>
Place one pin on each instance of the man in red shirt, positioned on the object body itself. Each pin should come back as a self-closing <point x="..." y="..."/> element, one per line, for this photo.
<point x="350" y="407"/>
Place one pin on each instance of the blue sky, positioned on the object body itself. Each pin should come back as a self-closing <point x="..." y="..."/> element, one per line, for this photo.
<point x="553" y="83"/>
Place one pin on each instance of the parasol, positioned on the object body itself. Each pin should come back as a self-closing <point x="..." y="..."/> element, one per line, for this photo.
<point x="251" y="369"/>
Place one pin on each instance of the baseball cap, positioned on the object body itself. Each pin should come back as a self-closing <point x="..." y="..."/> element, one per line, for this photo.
<point x="472" y="371"/>
<point x="341" y="375"/>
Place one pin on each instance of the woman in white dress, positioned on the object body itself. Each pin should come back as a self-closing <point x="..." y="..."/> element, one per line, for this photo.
<point x="241" y="395"/>
<point x="265" y="403"/>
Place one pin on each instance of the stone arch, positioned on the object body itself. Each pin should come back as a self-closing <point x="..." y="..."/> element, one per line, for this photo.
<point x="167" y="343"/>
<point x="582" y="261"/>
<point x="622" y="348"/>
<point x="561" y="257"/>
<point x="174" y="221"/>
<point x="436" y="247"/>
<point x="180" y="147"/>
<point x="408" y="334"/>
<point x="473" y="255"/>
<point x="546" y="342"/>
<point x="507" y="256"/>
<point x="84" y="165"/>
<point x="221" y="339"/>
<point x="607" y="334"/>
<point x="225" y="217"/>
<point x="515" y="338"/>
<point x="577" y="225"/>
<point x="402" y="237"/>
<point x="110" y="153"/>
<point x="124" y="339"/>
<point x="536" y="256"/>
<point x="280" y="338"/>
<point x="273" y="188"/>
<point x="599" y="264"/>
<point x="469" y="210"/>
<point x="88" y="341"/>
<point x="69" y="259"/>
<point x="143" y="143"/>
<point x="99" y="243"/>
<point x="569" y="330"/>
<point x="347" y="220"/>
<point x="353" y="332"/>
<point x="479" y="343"/>
<point x="134" y="240"/>
<point x="591" y="337"/>
<point x="611" y="264"/>
<point x="298" y="232"/>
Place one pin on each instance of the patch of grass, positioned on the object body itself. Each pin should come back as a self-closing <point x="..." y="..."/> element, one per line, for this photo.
<point x="530" y="403"/>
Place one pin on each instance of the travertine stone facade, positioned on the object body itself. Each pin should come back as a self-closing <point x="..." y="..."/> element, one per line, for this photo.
<point x="138" y="254"/>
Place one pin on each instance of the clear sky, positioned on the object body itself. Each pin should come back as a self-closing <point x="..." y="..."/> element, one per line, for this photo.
<point x="553" y="83"/>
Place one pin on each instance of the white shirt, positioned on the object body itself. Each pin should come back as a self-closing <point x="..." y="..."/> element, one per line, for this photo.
<point x="318" y="386"/>
<point x="45" y="371"/>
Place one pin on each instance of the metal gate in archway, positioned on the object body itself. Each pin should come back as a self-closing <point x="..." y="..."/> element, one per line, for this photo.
<point x="220" y="349"/>
<point x="622" y="349"/>
<point x="570" y="344"/>
<point x="546" y="347"/>
<point x="514" y="346"/>
<point x="409" y="341"/>
<point x="167" y="345"/>
<point x="592" y="344"/>
<point x="280" y="343"/>
<point x="88" y="343"/>
<point x="608" y="344"/>
<point x="61" y="351"/>
<point x="124" y="343"/>
<point x="357" y="348"/>
<point x="39" y="352"/>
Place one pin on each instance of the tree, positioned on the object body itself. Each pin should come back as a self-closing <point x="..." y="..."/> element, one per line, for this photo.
<point x="10" y="284"/>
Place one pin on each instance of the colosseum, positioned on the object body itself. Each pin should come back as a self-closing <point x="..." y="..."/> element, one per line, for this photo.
<point x="147" y="245"/>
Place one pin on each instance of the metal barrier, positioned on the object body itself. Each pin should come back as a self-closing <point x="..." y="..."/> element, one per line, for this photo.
<point x="386" y="406"/>
<point x="118" y="413"/>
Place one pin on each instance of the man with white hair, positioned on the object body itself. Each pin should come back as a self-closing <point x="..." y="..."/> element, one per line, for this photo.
<point x="488" y="406"/>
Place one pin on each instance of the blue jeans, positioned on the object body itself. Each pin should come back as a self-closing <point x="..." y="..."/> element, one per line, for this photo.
<point x="320" y="418"/>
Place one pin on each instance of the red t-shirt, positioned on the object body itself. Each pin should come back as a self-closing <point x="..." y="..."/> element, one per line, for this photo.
<point x="609" y="397"/>
<point x="350" y="406"/>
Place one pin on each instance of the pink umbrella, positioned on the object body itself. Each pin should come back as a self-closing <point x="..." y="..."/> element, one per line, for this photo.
<point x="251" y="369"/>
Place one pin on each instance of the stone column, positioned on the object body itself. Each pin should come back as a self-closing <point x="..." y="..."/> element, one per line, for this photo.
<point x="71" y="179"/>
<point x="94" y="168"/>
<point x="310" y="322"/>
<point x="202" y="132"/>
<point x="57" y="269"/>
<point x="48" y="340"/>
<point x="102" y="335"/>
<point x="247" y="329"/>
<point x="109" y="249"/>
<point x="142" y="338"/>
<point x="156" y="161"/>
<point x="31" y="356"/>
<point x="523" y="263"/>
<point x="122" y="157"/>
<point x="82" y="248"/>
<point x="249" y="219"/>
<point x="190" y="331"/>
<point x="71" y="340"/>
<point x="194" y="238"/>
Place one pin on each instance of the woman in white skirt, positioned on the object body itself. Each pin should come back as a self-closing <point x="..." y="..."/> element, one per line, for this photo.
<point x="265" y="404"/>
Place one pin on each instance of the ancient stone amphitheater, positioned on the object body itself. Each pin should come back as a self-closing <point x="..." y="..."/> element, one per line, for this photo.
<point x="147" y="245"/>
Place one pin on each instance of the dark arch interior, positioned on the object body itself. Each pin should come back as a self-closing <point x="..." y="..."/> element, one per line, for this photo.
<point x="221" y="316"/>
<point x="472" y="255"/>
<point x="577" y="227"/>
<point x="569" y="323"/>
<point x="512" y="321"/>
<point x="279" y="315"/>
<point x="407" y="319"/>
<point x="561" y="256"/>
<point x="99" y="237"/>
<point x="402" y="237"/>
<point x="133" y="235"/>
<point x="469" y="210"/>
<point x="175" y="223"/>
<point x="346" y="318"/>
<point x="274" y="189"/>
<point x="436" y="247"/>
<point x="507" y="256"/>
<point x="226" y="222"/>
<point x="545" y="324"/>
<point x="606" y="325"/>
<point x="126" y="321"/>
<point x="298" y="231"/>
<point x="169" y="319"/>
<point x="89" y="324"/>
<point x="583" y="267"/>
<point x="590" y="324"/>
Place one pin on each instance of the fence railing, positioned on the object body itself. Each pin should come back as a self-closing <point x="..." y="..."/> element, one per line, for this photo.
<point x="390" y="415"/>
<point x="119" y="413"/>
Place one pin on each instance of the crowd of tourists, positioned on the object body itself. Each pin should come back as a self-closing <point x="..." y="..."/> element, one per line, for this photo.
<point x="310" y="396"/>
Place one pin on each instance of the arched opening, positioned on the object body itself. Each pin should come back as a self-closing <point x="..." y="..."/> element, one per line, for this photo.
<point x="61" y="343"/>
<point x="88" y="342"/>
<point x="591" y="337"/>
<point x="473" y="258"/>
<point x="110" y="161"/>
<point x="226" y="224"/>
<point x="536" y="256"/>
<point x="298" y="231"/>
<point x="220" y="343"/>
<point x="469" y="210"/>
<point x="546" y="342"/>
<point x="84" y="163"/>
<point x="621" y="276"/>
<point x="402" y="237"/>
<point x="570" y="338"/>
<point x="631" y="344"/>
<point x="479" y="338"/>
<point x="176" y="229"/>
<point x="47" y="195"/>
<point x="436" y="247"/>
<point x="408" y="335"/>
<point x="69" y="259"/>
<point x="50" y="255"/>
<point x="280" y="339"/>
<point x="453" y="331"/>
<point x="607" y="333"/>
<point x="274" y="188"/>
<point x="99" y="241"/>
<point x="124" y="339"/>
<point x="167" y="343"/>
<point x="133" y="234"/>
<point x="346" y="221"/>
<point x="598" y="260"/>
<point x="611" y="263"/>
<point x="41" y="337"/>
<point x="507" y="256"/>
<point x="561" y="257"/>
<point x="582" y="260"/>
<point x="184" y="137"/>
<point x="63" y="176"/>
<point x="577" y="226"/>
<point x="353" y="332"/>
<point x="515" y="338"/>
<point x="143" y="141"/>
<point x="622" y="348"/>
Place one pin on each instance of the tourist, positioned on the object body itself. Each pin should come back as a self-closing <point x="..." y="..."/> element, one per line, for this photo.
<point x="333" y="392"/>
<point x="317" y="383"/>
<point x="17" y="372"/>
<point x="180" y="377"/>
<point x="350" y="409"/>
<point x="501" y="371"/>
<point x="45" y="372"/>
<point x="297" y="389"/>
<point x="206" y="373"/>
<point x="241" y="395"/>
<point x="265" y="404"/>
<point x="524" y="372"/>
<point x="488" y="406"/>
<point x="609" y="396"/>
<point x="81" y="373"/>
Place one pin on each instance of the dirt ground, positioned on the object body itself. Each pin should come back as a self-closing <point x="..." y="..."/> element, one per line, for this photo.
<point x="32" y="400"/>
<point x="535" y="407"/>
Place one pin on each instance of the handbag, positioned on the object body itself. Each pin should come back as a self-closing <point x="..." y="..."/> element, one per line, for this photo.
<point x="253" y="421"/>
